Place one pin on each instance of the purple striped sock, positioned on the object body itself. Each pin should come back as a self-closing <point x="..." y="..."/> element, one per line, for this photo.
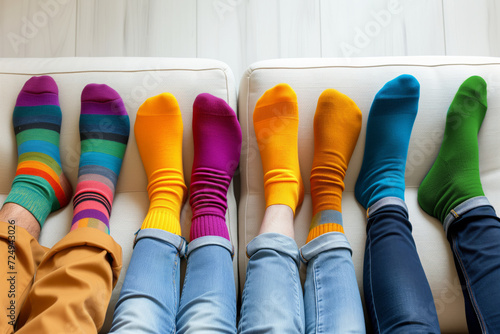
<point x="217" y="147"/>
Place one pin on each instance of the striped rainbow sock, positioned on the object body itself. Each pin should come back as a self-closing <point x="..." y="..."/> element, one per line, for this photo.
<point x="39" y="185"/>
<point x="104" y="131"/>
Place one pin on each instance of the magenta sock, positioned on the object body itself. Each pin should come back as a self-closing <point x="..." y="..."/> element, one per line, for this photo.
<point x="217" y="147"/>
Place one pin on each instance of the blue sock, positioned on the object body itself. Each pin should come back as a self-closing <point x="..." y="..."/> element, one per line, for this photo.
<point x="387" y="137"/>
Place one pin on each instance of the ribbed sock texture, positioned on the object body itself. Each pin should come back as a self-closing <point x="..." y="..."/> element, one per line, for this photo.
<point x="217" y="147"/>
<point x="39" y="185"/>
<point x="276" y="123"/>
<point x="104" y="132"/>
<point x="158" y="131"/>
<point x="388" y="133"/>
<point x="337" y="124"/>
<point x="454" y="176"/>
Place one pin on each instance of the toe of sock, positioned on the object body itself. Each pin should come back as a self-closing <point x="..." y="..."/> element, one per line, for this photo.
<point x="209" y="104"/>
<point x="38" y="91"/>
<point x="331" y="98"/>
<point x="103" y="100"/>
<point x="279" y="93"/>
<point x="405" y="85"/>
<point x="99" y="93"/>
<point x="162" y="104"/>
<point x="40" y="85"/>
<point x="475" y="87"/>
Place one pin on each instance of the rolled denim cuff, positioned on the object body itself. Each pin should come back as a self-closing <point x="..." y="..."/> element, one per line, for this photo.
<point x="277" y="242"/>
<point x="175" y="240"/>
<point x="384" y="202"/>
<point x="211" y="240"/>
<point x="323" y="243"/>
<point x="462" y="208"/>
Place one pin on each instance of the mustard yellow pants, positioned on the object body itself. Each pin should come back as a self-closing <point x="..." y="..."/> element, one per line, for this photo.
<point x="65" y="289"/>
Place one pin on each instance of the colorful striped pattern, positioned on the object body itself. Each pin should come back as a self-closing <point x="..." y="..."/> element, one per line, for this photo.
<point x="39" y="185"/>
<point x="104" y="131"/>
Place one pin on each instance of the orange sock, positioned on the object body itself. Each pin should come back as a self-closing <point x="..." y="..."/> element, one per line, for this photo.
<point x="276" y="123"/>
<point x="337" y="123"/>
<point x="158" y="132"/>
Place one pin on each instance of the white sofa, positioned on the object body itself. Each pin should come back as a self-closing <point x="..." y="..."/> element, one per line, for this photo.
<point x="139" y="78"/>
<point x="361" y="78"/>
<point x="135" y="79"/>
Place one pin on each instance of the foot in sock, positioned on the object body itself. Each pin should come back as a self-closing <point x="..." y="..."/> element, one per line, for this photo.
<point x="39" y="185"/>
<point x="217" y="147"/>
<point x="454" y="176"/>
<point x="104" y="132"/>
<point x="387" y="138"/>
<point x="158" y="131"/>
<point x="337" y="123"/>
<point x="276" y="122"/>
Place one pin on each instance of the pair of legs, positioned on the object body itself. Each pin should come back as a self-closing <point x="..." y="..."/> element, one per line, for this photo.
<point x="66" y="288"/>
<point x="273" y="299"/>
<point x="150" y="300"/>
<point x="397" y="293"/>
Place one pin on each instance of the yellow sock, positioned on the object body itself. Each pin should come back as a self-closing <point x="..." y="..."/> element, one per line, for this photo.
<point x="337" y="123"/>
<point x="158" y="132"/>
<point x="276" y="123"/>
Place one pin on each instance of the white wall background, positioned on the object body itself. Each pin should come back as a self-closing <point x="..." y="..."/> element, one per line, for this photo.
<point x="240" y="32"/>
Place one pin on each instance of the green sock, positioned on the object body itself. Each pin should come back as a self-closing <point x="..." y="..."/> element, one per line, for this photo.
<point x="454" y="177"/>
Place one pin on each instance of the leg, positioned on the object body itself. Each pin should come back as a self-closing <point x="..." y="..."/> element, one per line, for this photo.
<point x="62" y="300"/>
<point x="149" y="298"/>
<point x="74" y="282"/>
<point x="272" y="298"/>
<point x="331" y="294"/>
<point x="474" y="239"/>
<point x="452" y="192"/>
<point x="22" y="255"/>
<point x="39" y="187"/>
<point x="397" y="294"/>
<point x="148" y="302"/>
<point x="208" y="303"/>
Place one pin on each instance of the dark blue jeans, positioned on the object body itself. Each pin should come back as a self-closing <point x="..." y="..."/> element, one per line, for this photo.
<point x="474" y="238"/>
<point x="397" y="294"/>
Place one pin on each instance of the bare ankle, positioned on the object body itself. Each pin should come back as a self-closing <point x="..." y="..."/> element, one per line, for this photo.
<point x="21" y="217"/>
<point x="278" y="219"/>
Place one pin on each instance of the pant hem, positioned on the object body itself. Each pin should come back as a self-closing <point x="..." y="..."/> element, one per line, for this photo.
<point x="462" y="208"/>
<point x="385" y="202"/>
<point x="154" y="233"/>
<point x="275" y="241"/>
<point x="323" y="243"/>
<point x="212" y="240"/>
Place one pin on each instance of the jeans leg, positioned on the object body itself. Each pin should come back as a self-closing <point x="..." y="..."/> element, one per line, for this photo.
<point x="272" y="300"/>
<point x="149" y="297"/>
<point x="475" y="241"/>
<point x="331" y="295"/>
<point x="397" y="294"/>
<point x="208" y="302"/>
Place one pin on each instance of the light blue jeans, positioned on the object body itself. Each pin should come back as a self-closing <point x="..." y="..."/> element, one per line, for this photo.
<point x="273" y="301"/>
<point x="149" y="299"/>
